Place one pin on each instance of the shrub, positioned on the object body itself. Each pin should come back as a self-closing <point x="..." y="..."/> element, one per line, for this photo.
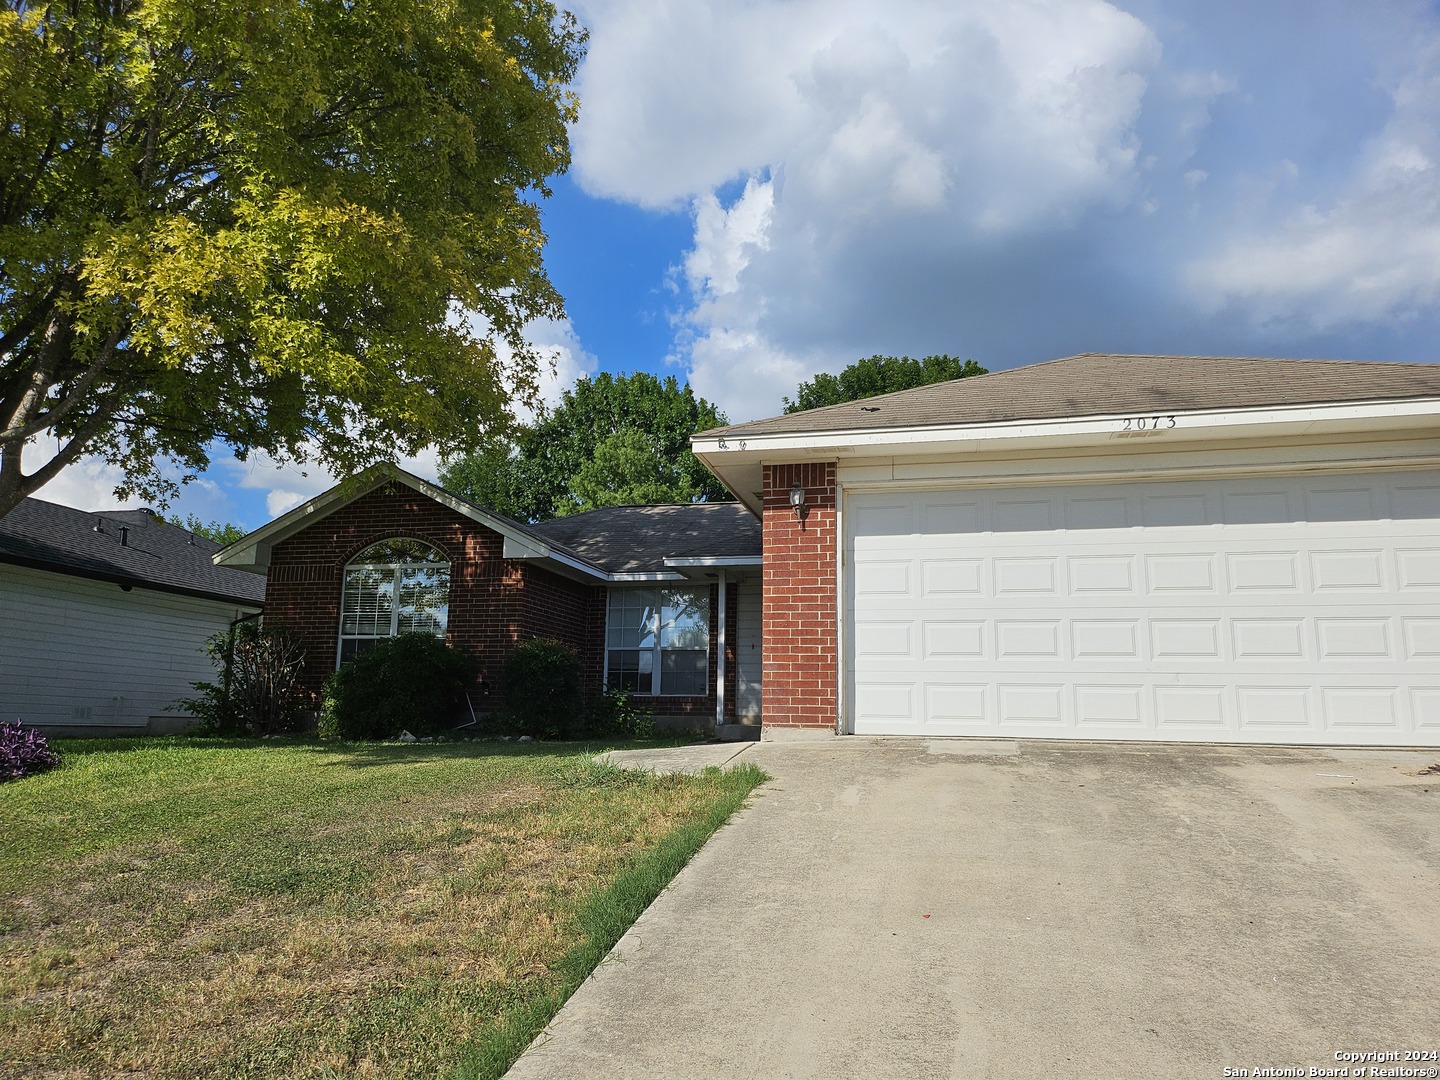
<point x="614" y="715"/>
<point x="544" y="691"/>
<point x="259" y="689"/>
<point x="24" y="752"/>
<point x="414" y="682"/>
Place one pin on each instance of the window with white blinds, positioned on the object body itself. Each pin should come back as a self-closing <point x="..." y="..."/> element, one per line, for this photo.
<point x="657" y="641"/>
<point x="397" y="586"/>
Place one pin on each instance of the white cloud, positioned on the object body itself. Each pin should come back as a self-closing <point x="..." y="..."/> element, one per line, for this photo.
<point x="1369" y="253"/>
<point x="863" y="132"/>
<point x="90" y="483"/>
<point x="566" y="358"/>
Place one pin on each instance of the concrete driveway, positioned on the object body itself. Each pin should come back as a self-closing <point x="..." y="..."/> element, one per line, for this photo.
<point x="904" y="908"/>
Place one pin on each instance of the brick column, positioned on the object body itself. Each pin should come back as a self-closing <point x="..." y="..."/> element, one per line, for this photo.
<point x="799" y="693"/>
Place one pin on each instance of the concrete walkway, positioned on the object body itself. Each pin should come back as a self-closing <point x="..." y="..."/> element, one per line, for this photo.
<point x="903" y="908"/>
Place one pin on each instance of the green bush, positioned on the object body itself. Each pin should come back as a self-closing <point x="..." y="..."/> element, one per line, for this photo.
<point x="258" y="692"/>
<point x="414" y="683"/>
<point x="544" y="691"/>
<point x="614" y="715"/>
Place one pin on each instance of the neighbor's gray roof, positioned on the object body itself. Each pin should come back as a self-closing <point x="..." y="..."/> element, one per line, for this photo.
<point x="160" y="556"/>
<point x="1099" y="384"/>
<point x="638" y="539"/>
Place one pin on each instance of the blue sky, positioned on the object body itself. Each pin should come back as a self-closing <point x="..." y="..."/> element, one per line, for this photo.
<point x="766" y="189"/>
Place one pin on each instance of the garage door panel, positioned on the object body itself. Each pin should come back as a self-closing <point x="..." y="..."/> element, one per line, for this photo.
<point x="1098" y="705"/>
<point x="1350" y="503"/>
<point x="1362" y="707"/>
<point x="1419" y="568"/>
<point x="1275" y="709"/>
<point x="1191" y="572"/>
<point x="884" y="578"/>
<point x="1422" y="638"/>
<point x="1103" y="575"/>
<point x="1106" y="639"/>
<point x="1236" y="617"/>
<point x="1027" y="704"/>
<point x="1032" y="576"/>
<point x="1348" y="571"/>
<point x="966" y="704"/>
<point x="1268" y="638"/>
<point x="1022" y="513"/>
<point x="1263" y="571"/>
<point x="1415" y="501"/>
<point x="945" y="577"/>
<point x="1190" y="706"/>
<point x="1425" y="708"/>
<point x="953" y="640"/>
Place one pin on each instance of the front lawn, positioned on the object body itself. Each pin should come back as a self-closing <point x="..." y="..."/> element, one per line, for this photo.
<point x="185" y="907"/>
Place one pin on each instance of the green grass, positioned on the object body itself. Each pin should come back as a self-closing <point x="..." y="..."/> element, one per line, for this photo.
<point x="191" y="907"/>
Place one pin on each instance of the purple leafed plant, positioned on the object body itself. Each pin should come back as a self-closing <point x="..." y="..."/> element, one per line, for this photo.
<point x="24" y="752"/>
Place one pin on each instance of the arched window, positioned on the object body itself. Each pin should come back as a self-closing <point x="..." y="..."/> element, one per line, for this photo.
<point x="397" y="586"/>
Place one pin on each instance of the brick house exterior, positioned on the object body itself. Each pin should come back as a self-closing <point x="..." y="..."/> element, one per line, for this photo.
<point x="495" y="603"/>
<point x="508" y="582"/>
<point x="1105" y="547"/>
<point x="799" y="588"/>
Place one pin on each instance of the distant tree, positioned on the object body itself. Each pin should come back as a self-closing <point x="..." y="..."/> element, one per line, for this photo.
<point x="257" y="224"/>
<point x="491" y="476"/>
<point x="225" y="533"/>
<point x="879" y="375"/>
<point x="613" y="439"/>
<point x="626" y="470"/>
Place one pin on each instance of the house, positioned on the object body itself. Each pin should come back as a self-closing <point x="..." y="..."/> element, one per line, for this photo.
<point x="1142" y="548"/>
<point x="104" y="618"/>
<point x="661" y="600"/>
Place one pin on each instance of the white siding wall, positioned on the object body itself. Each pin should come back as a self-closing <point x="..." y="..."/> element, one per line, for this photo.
<point x="81" y="654"/>
<point x="747" y="651"/>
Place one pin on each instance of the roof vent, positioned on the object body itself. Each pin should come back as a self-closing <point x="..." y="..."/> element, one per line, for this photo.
<point x="869" y="408"/>
<point x="124" y="536"/>
<point x="99" y="525"/>
<point x="148" y="512"/>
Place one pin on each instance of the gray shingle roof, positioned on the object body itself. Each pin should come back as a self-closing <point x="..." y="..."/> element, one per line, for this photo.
<point x="638" y="539"/>
<point x="1102" y="384"/>
<point x="158" y="555"/>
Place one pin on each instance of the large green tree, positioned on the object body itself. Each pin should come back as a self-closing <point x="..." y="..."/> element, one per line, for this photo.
<point x="302" y="226"/>
<point x="612" y="440"/>
<point x="879" y="375"/>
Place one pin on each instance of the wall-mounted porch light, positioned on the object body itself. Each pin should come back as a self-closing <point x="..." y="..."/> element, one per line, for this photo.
<point x="797" y="500"/>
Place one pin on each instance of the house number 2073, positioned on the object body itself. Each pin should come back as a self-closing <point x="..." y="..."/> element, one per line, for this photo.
<point x="1147" y="423"/>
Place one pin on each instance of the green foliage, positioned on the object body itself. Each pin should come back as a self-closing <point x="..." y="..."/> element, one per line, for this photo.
<point x="413" y="682"/>
<point x="879" y="375"/>
<point x="613" y="440"/>
<point x="543" y="683"/>
<point x="258" y="692"/>
<point x="257" y="224"/>
<point x="614" y="715"/>
<point x="221" y="533"/>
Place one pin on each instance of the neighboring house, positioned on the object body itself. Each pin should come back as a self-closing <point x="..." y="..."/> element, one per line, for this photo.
<point x="104" y="617"/>
<point x="1143" y="548"/>
<point x="634" y="590"/>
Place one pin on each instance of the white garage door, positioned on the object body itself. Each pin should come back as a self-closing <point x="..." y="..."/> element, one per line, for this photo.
<point x="1291" y="610"/>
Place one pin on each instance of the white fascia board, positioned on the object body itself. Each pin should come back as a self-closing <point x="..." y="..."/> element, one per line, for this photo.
<point x="1228" y="424"/>
<point x="252" y="552"/>
<point x="717" y="561"/>
<point x="637" y="577"/>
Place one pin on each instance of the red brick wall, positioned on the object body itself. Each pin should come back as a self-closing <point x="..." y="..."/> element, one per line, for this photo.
<point x="495" y="603"/>
<point x="798" y="686"/>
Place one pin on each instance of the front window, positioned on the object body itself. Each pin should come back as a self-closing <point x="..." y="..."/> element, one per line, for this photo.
<point x="657" y="641"/>
<point x="394" y="587"/>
